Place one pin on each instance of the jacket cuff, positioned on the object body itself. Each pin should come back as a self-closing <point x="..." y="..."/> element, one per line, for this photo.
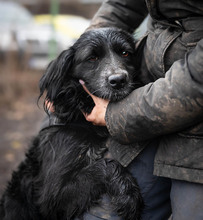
<point x="117" y="132"/>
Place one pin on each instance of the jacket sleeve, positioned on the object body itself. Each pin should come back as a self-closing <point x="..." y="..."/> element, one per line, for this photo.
<point x="126" y="15"/>
<point x="168" y="105"/>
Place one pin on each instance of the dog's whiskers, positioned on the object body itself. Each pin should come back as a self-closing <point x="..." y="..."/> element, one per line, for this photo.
<point x="98" y="90"/>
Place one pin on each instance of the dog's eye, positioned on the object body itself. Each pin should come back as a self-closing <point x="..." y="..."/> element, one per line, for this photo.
<point x="93" y="58"/>
<point x="125" y="53"/>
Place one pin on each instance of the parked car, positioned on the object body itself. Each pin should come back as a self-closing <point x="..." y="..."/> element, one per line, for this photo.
<point x="13" y="17"/>
<point x="49" y="36"/>
<point x="37" y="39"/>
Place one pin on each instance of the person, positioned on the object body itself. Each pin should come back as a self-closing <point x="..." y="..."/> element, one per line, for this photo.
<point x="162" y="120"/>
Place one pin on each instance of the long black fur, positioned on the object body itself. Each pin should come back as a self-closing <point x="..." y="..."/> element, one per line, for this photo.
<point x="65" y="171"/>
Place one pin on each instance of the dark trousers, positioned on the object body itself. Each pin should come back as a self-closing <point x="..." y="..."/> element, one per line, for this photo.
<point x="187" y="200"/>
<point x="161" y="195"/>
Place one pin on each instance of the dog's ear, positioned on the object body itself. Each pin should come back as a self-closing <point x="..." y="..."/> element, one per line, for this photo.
<point x="55" y="74"/>
<point x="61" y="88"/>
<point x="57" y="70"/>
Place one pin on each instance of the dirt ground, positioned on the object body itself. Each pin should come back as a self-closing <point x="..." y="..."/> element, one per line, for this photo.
<point x="20" y="118"/>
<point x="18" y="126"/>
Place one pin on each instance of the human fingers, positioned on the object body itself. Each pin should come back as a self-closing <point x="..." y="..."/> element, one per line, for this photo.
<point x="97" y="116"/>
<point x="49" y="105"/>
<point x="95" y="98"/>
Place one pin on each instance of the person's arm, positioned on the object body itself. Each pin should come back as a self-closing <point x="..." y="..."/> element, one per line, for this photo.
<point x="168" y="105"/>
<point x="124" y="14"/>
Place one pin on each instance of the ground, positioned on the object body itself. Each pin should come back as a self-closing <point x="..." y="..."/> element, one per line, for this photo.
<point x="18" y="126"/>
<point x="20" y="116"/>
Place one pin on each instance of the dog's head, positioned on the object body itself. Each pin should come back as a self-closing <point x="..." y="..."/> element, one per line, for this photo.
<point x="104" y="59"/>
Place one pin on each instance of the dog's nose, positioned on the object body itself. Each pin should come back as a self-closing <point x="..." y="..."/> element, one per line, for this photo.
<point x="117" y="81"/>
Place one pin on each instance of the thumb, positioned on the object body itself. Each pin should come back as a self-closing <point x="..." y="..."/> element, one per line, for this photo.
<point x="84" y="87"/>
<point x="95" y="98"/>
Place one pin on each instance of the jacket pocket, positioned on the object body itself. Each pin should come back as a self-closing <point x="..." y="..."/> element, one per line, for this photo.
<point x="157" y="45"/>
<point x="192" y="33"/>
<point x="183" y="44"/>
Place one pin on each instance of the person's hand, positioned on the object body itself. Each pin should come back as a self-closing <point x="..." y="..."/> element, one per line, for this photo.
<point x="97" y="116"/>
<point x="49" y="105"/>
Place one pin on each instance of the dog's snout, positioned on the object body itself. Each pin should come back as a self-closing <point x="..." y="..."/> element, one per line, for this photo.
<point x="117" y="81"/>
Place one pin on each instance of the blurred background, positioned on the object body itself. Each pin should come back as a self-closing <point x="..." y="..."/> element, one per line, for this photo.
<point x="32" y="32"/>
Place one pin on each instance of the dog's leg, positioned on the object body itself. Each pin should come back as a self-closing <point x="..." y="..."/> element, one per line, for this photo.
<point x="74" y="193"/>
<point x="124" y="191"/>
<point x="89" y="185"/>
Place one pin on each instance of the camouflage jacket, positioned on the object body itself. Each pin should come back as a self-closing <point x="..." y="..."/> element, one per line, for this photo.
<point x="170" y="106"/>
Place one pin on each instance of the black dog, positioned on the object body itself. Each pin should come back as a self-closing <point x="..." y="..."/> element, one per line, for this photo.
<point x="65" y="171"/>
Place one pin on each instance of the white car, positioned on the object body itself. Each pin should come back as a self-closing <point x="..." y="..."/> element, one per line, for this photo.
<point x="37" y="39"/>
<point x="13" y="17"/>
<point x="49" y="36"/>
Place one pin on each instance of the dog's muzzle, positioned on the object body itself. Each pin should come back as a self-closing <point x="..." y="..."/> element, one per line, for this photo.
<point x="117" y="81"/>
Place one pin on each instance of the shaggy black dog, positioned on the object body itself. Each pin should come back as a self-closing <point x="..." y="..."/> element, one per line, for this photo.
<point x="65" y="171"/>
